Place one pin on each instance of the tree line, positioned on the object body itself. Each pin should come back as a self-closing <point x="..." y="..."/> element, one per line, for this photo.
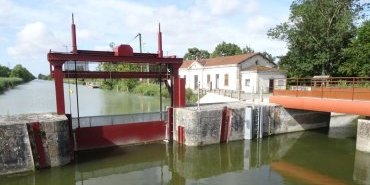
<point x="222" y="49"/>
<point x="325" y="37"/>
<point x="17" y="72"/>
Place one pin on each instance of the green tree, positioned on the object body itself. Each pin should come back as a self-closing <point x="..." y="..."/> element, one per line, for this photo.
<point x="43" y="77"/>
<point x="193" y="52"/>
<point x="20" y="72"/>
<point x="226" y="49"/>
<point x="357" y="55"/>
<point x="248" y="49"/>
<point x="4" y="71"/>
<point x="124" y="84"/>
<point x="268" y="56"/>
<point x="316" y="33"/>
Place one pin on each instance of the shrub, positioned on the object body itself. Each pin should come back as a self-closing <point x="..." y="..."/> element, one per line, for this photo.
<point x="6" y="83"/>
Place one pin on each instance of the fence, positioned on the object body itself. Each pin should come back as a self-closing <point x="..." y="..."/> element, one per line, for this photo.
<point x="350" y="88"/>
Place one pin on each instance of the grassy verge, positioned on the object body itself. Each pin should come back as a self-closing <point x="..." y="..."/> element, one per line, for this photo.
<point x="146" y="89"/>
<point x="7" y="83"/>
<point x="150" y="89"/>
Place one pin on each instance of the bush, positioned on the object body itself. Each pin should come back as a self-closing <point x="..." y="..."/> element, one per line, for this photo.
<point x="190" y="96"/>
<point x="20" y="72"/>
<point x="6" y="83"/>
<point x="151" y="89"/>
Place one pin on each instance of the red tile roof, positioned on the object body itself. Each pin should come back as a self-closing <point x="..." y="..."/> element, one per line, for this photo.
<point x="227" y="60"/>
<point x="186" y="63"/>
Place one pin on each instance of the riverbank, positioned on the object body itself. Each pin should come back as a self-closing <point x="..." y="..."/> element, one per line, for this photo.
<point x="8" y="83"/>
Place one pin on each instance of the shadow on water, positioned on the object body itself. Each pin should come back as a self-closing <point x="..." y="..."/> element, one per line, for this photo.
<point x="312" y="157"/>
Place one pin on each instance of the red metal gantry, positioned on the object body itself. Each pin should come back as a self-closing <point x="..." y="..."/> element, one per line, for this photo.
<point x="121" y="54"/>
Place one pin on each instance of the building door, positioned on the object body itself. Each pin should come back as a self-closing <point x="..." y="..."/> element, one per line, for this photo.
<point x="217" y="81"/>
<point x="195" y="81"/>
<point x="271" y="85"/>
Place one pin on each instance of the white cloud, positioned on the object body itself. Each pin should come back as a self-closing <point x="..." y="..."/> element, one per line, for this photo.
<point x="219" y="7"/>
<point x="251" y="6"/>
<point x="203" y="24"/>
<point x="259" y="23"/>
<point x="33" y="40"/>
<point x="2" y="39"/>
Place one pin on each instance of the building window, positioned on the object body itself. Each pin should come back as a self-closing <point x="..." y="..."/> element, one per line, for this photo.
<point x="208" y="78"/>
<point x="226" y="82"/>
<point x="247" y="82"/>
<point x="281" y="82"/>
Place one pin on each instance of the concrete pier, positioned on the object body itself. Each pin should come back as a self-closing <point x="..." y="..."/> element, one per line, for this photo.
<point x="215" y="123"/>
<point x="30" y="141"/>
<point x="363" y="135"/>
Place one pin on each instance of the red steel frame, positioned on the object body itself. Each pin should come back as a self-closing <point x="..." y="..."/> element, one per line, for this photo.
<point x="177" y="87"/>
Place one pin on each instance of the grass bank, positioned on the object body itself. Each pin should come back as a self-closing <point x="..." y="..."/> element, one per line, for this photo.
<point x="147" y="89"/>
<point x="152" y="89"/>
<point x="8" y="83"/>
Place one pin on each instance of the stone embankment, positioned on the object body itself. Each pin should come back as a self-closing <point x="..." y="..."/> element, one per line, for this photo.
<point x="30" y="141"/>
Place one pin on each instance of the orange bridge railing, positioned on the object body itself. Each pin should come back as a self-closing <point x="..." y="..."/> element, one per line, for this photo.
<point x="349" y="88"/>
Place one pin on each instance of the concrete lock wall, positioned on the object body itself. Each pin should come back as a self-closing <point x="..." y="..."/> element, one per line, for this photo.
<point x="291" y="120"/>
<point x="203" y="127"/>
<point x="15" y="149"/>
<point x="247" y="121"/>
<point x="30" y="141"/>
<point x="363" y="135"/>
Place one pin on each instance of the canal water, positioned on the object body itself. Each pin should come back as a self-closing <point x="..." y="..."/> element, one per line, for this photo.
<point x="39" y="96"/>
<point x="324" y="156"/>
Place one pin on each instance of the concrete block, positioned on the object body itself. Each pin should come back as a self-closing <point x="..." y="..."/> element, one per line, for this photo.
<point x="363" y="135"/>
<point x="291" y="120"/>
<point x="15" y="151"/>
<point x="47" y="127"/>
<point x="18" y="151"/>
<point x="237" y="124"/>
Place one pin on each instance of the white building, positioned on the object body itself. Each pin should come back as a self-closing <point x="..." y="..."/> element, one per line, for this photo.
<point x="248" y="72"/>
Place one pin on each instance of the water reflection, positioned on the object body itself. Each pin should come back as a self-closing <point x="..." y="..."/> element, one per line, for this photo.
<point x="310" y="157"/>
<point x="361" y="173"/>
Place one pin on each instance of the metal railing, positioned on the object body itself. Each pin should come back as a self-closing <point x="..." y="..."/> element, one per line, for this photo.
<point x="94" y="121"/>
<point x="349" y="88"/>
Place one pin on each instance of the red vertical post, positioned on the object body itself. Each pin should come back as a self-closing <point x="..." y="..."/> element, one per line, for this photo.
<point x="59" y="89"/>
<point x="160" y="51"/>
<point x="180" y="135"/>
<point x="38" y="142"/>
<point x="74" y="40"/>
<point x="175" y="78"/>
<point x="182" y="92"/>
<point x="224" y="126"/>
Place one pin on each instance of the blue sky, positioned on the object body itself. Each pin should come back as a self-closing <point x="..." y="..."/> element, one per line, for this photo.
<point x="29" y="28"/>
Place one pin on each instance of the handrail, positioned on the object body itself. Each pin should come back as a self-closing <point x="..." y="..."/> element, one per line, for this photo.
<point x="349" y="88"/>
